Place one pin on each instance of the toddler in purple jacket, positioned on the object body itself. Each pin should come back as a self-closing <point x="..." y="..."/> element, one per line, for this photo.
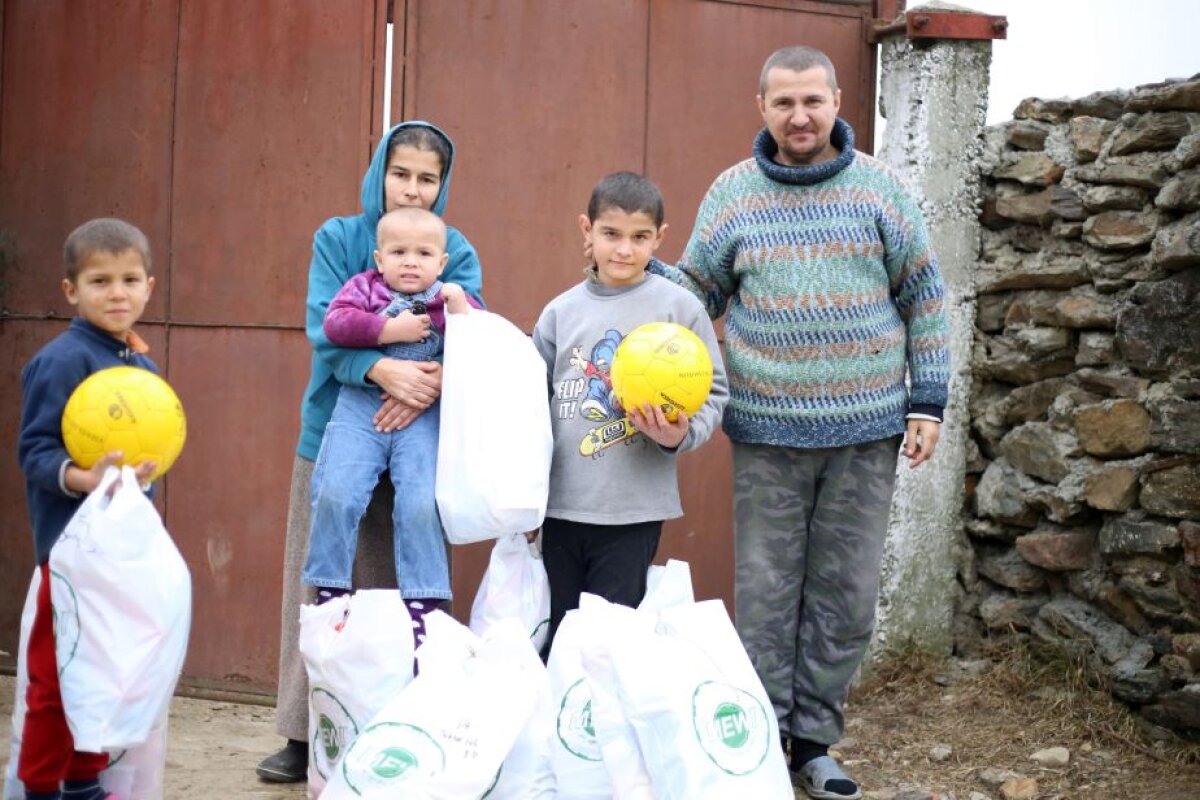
<point x="399" y="306"/>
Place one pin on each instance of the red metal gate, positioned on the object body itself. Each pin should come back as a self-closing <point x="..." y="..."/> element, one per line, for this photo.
<point x="229" y="131"/>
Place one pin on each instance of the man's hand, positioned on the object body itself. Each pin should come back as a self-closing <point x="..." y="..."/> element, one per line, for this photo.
<point x="405" y="327"/>
<point x="920" y="440"/>
<point x="651" y="421"/>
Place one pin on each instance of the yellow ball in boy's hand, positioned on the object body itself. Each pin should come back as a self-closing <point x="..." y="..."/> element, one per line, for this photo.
<point x="662" y="364"/>
<point x="127" y="409"/>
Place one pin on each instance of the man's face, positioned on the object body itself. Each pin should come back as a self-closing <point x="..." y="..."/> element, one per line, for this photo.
<point x="799" y="109"/>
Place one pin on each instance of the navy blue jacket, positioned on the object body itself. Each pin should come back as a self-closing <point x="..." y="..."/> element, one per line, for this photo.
<point x="46" y="383"/>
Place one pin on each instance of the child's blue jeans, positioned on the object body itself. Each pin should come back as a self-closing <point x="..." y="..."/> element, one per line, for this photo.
<point x="352" y="456"/>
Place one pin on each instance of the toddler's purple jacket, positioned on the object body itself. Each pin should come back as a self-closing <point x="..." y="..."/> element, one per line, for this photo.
<point x="354" y="319"/>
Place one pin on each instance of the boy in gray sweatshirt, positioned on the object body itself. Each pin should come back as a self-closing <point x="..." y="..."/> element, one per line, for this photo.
<point x="613" y="479"/>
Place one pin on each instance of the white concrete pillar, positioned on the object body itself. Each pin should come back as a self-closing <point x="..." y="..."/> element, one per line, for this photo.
<point x="934" y="98"/>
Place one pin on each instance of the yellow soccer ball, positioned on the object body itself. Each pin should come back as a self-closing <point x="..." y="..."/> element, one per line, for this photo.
<point x="127" y="409"/>
<point x="662" y="364"/>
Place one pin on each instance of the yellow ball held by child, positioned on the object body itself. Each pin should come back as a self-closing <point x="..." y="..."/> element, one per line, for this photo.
<point x="127" y="409"/>
<point x="663" y="364"/>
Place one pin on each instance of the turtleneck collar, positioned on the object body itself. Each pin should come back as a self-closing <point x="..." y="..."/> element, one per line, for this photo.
<point x="765" y="148"/>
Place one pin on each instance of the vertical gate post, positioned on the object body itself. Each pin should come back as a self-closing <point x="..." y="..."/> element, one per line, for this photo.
<point x="934" y="97"/>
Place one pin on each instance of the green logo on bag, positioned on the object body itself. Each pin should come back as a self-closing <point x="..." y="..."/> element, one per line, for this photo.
<point x="391" y="753"/>
<point x="331" y="737"/>
<point x="332" y="729"/>
<point x="575" y="729"/>
<point x="393" y="762"/>
<point x="731" y="726"/>
<point x="65" y="615"/>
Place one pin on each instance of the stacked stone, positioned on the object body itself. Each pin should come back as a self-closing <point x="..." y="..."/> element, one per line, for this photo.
<point x="1084" y="494"/>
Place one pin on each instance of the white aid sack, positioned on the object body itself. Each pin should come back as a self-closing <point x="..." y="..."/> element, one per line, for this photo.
<point x="578" y="763"/>
<point x="665" y="587"/>
<point x="703" y="721"/>
<point x="125" y="583"/>
<point x="514" y="586"/>
<point x="495" y="443"/>
<point x="445" y="736"/>
<point x="13" y="788"/>
<point x="527" y="773"/>
<point x="132" y="774"/>
<point x="358" y="652"/>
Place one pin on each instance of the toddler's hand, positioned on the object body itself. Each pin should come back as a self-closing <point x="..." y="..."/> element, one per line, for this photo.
<point x="455" y="298"/>
<point x="652" y="422"/>
<point x="405" y="327"/>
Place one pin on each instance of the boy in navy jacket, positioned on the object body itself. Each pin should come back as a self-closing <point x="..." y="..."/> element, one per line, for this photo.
<point x="108" y="281"/>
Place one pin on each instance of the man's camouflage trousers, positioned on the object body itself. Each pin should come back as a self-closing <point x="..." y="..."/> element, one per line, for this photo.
<point x="810" y="527"/>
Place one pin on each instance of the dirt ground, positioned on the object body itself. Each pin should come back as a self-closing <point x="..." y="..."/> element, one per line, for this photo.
<point x="917" y="731"/>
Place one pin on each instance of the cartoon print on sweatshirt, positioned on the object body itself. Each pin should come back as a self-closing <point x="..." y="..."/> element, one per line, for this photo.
<point x="598" y="403"/>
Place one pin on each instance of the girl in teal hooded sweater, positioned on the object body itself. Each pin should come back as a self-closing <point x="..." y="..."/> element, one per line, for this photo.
<point x="411" y="166"/>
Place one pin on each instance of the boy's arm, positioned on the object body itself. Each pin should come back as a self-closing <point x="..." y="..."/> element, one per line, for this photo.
<point x="544" y="343"/>
<point x="45" y="387"/>
<point x="326" y="275"/>
<point x="349" y="322"/>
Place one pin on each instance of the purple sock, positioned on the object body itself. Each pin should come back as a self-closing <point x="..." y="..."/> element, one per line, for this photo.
<point x="418" y="607"/>
<point x="326" y="593"/>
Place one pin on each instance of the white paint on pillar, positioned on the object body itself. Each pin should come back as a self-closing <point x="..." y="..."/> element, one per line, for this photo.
<point x="934" y="98"/>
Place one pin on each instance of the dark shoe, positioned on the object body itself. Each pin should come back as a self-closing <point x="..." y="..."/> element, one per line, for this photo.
<point x="289" y="765"/>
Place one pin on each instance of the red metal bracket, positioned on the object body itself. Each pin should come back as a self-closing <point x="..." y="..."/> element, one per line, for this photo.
<point x="921" y="24"/>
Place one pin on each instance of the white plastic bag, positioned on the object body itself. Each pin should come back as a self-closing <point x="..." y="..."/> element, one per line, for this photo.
<point x="358" y="652"/>
<point x="13" y="788"/>
<point x="703" y="721"/>
<point x="132" y="774"/>
<point x="514" y="585"/>
<point x="665" y="587"/>
<point x="125" y="582"/>
<point x="494" y="450"/>
<point x="445" y="736"/>
<point x="527" y="773"/>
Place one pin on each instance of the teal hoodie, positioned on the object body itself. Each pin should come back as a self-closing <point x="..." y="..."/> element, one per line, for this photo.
<point x="342" y="248"/>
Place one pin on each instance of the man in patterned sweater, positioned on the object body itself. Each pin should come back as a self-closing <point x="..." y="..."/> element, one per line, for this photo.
<point x="834" y="298"/>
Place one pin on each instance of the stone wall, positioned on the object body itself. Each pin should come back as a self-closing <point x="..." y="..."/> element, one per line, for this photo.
<point x="1083" y="501"/>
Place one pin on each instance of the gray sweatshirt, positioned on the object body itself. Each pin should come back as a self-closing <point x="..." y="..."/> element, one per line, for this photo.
<point x="604" y="472"/>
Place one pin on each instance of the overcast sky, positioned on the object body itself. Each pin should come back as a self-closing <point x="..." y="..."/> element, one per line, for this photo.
<point x="1070" y="48"/>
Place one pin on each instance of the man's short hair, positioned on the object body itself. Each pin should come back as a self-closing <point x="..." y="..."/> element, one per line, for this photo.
<point x="629" y="192"/>
<point x="105" y="235"/>
<point x="797" y="58"/>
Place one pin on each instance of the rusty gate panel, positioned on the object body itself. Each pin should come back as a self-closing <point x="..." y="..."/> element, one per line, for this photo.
<point x="84" y="135"/>
<point x="227" y="506"/>
<point x="704" y="72"/>
<point x="272" y="120"/>
<point x="19" y="340"/>
<point x="551" y="98"/>
<point x="702" y="119"/>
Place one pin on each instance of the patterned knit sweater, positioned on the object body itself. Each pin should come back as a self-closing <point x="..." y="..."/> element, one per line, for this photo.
<point x="834" y="298"/>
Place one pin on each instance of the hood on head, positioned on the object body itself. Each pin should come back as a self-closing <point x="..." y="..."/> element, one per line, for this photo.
<point x="372" y="184"/>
